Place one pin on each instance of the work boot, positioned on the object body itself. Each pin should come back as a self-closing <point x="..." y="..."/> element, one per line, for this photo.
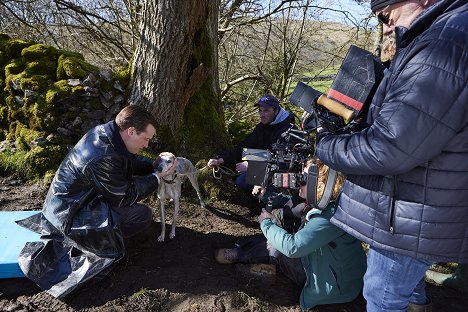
<point x="457" y="280"/>
<point x="412" y="307"/>
<point x="227" y="255"/>
<point x="261" y="271"/>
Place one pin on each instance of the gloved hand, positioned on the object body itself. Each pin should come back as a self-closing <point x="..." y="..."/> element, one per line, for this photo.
<point x="327" y="124"/>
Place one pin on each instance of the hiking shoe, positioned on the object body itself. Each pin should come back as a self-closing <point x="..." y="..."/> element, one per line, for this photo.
<point x="227" y="255"/>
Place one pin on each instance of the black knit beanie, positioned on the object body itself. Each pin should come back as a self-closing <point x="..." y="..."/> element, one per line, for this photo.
<point x="380" y="4"/>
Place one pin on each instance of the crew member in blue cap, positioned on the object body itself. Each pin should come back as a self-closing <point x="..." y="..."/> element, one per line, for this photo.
<point x="274" y="120"/>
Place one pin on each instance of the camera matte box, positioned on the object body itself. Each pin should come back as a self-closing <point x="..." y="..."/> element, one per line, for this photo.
<point x="357" y="79"/>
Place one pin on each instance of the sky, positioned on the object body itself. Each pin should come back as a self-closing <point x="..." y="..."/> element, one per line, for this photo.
<point x="358" y="11"/>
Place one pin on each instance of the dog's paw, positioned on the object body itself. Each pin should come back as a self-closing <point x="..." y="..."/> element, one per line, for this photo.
<point x="161" y="238"/>
<point x="171" y="235"/>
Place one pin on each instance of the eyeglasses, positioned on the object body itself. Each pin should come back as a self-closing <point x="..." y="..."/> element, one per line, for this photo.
<point x="384" y="18"/>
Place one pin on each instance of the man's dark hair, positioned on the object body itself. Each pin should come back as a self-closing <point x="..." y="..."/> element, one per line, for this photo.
<point x="135" y="116"/>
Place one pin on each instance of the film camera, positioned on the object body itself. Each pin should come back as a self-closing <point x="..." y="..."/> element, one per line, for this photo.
<point x="345" y="103"/>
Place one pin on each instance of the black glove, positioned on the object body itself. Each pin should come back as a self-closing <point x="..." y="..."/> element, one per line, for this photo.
<point x="328" y="123"/>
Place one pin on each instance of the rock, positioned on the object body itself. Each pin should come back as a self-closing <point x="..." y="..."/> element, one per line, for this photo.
<point x="65" y="131"/>
<point x="53" y="138"/>
<point x="15" y="85"/>
<point x="98" y="114"/>
<point x="118" y="99"/>
<point x="106" y="73"/>
<point x="74" y="82"/>
<point x="77" y="121"/>
<point x="19" y="100"/>
<point x="39" y="142"/>
<point x="117" y="86"/>
<point x="90" y="81"/>
<point x="88" y="124"/>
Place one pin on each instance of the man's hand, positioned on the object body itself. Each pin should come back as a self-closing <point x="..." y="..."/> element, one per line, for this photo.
<point x="242" y="166"/>
<point x="264" y="215"/>
<point x="258" y="191"/>
<point x="215" y="162"/>
<point x="170" y="171"/>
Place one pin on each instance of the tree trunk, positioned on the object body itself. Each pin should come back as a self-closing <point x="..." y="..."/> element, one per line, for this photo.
<point x="175" y="75"/>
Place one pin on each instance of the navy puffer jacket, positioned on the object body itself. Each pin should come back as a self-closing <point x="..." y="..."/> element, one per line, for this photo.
<point x="407" y="184"/>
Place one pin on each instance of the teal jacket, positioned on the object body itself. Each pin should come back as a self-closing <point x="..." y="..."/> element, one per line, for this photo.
<point x="334" y="261"/>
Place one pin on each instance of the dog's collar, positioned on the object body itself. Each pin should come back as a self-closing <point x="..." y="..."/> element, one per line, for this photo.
<point x="170" y="181"/>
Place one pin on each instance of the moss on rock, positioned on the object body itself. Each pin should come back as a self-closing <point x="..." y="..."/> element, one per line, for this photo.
<point x="123" y="74"/>
<point x="15" y="67"/>
<point x="57" y="92"/>
<point x="73" y="67"/>
<point x="41" y="160"/>
<point x="40" y="51"/>
<point x="42" y="67"/>
<point x="14" y="47"/>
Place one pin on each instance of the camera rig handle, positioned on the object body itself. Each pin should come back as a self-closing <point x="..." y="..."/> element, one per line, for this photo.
<point x="305" y="97"/>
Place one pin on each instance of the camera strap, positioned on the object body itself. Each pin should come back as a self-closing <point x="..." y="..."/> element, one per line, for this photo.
<point x="312" y="182"/>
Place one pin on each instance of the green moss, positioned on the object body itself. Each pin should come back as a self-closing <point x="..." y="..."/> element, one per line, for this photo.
<point x="13" y="47"/>
<point x="43" y="116"/>
<point x="35" y="83"/>
<point x="73" y="67"/>
<point x="203" y="55"/>
<point x="40" y="51"/>
<point x="66" y="53"/>
<point x="3" y="59"/>
<point x="15" y="67"/>
<point x="42" y="67"/>
<point x="238" y="130"/>
<point x="40" y="160"/>
<point x="3" y="40"/>
<point x="78" y="90"/>
<point x="122" y="75"/>
<point x="3" y="116"/>
<point x="26" y="136"/>
<point x="57" y="92"/>
<point x="196" y="138"/>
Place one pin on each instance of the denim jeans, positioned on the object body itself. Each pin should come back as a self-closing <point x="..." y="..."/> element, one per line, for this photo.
<point x="242" y="183"/>
<point x="393" y="280"/>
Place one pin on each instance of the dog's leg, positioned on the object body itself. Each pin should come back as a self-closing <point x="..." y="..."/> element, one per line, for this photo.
<point x="163" y="221"/>
<point x="193" y="179"/>
<point x="174" y="217"/>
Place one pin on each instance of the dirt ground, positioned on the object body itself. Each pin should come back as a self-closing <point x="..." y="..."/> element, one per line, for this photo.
<point x="181" y="274"/>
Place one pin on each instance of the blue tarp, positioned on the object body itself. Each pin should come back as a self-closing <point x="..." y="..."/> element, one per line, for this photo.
<point x="12" y="240"/>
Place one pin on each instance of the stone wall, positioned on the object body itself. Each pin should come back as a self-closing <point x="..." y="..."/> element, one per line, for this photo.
<point x="49" y="98"/>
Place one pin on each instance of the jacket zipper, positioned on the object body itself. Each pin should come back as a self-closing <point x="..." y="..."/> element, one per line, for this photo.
<point x="392" y="207"/>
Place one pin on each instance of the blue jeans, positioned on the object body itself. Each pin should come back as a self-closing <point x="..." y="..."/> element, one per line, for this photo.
<point x="242" y="183"/>
<point x="393" y="280"/>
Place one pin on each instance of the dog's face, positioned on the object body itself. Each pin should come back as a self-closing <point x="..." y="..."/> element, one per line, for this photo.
<point x="164" y="161"/>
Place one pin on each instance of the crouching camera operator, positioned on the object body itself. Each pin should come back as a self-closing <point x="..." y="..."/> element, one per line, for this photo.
<point x="323" y="260"/>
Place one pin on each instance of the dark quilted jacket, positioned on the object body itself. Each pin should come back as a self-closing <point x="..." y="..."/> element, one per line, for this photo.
<point x="407" y="185"/>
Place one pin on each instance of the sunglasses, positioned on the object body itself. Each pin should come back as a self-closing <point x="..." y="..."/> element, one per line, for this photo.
<point x="384" y="18"/>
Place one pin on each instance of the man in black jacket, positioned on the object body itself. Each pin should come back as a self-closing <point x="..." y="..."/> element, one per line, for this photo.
<point x="406" y="192"/>
<point x="274" y="120"/>
<point x="92" y="204"/>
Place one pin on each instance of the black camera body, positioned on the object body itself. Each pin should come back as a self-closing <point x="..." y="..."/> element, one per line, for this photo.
<point x="282" y="166"/>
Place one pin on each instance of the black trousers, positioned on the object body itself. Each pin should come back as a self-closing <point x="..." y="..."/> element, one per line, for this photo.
<point x="134" y="219"/>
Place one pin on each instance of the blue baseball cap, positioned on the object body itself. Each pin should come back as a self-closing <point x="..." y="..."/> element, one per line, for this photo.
<point x="267" y="101"/>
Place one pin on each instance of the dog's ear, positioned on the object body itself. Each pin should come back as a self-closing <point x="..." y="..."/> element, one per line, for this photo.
<point x="156" y="162"/>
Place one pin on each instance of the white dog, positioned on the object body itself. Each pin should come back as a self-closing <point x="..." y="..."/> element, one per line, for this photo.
<point x="170" y="187"/>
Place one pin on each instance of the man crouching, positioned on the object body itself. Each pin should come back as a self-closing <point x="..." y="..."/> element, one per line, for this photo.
<point x="92" y="204"/>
